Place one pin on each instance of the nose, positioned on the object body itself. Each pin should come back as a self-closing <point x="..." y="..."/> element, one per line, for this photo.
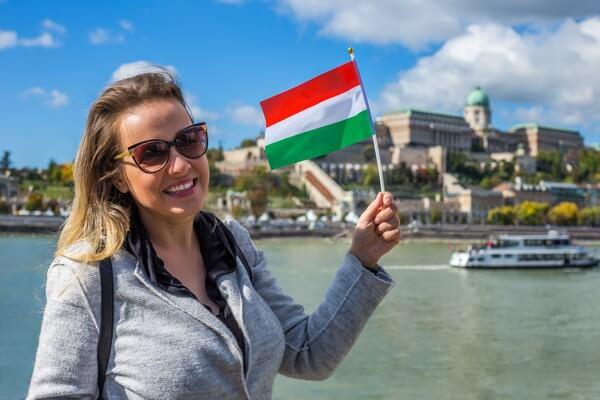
<point x="178" y="164"/>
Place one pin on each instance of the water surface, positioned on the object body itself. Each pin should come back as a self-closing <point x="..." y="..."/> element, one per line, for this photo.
<point x="440" y="333"/>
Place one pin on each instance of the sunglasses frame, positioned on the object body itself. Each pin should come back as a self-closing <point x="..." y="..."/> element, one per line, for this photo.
<point x="130" y="149"/>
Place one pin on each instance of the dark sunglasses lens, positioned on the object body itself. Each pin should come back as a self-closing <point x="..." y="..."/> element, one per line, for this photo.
<point x="192" y="142"/>
<point x="151" y="156"/>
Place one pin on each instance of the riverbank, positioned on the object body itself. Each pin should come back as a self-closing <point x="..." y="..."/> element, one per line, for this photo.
<point x="429" y="233"/>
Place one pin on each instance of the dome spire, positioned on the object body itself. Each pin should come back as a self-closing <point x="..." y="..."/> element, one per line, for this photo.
<point x="478" y="97"/>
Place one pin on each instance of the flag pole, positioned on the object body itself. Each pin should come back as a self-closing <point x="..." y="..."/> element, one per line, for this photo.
<point x="375" y="144"/>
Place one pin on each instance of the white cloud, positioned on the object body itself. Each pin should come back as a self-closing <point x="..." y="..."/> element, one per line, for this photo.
<point x="46" y="39"/>
<point x="102" y="36"/>
<point x="10" y="39"/>
<point x="126" y="25"/>
<point x="53" y="26"/>
<point x="138" y="67"/>
<point x="53" y="98"/>
<point x="58" y="99"/>
<point x="246" y="115"/>
<point x="553" y="68"/>
<point x="417" y="24"/>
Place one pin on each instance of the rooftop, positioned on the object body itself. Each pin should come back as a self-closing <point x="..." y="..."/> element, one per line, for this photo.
<point x="478" y="97"/>
<point x="538" y="126"/>
<point x="410" y="111"/>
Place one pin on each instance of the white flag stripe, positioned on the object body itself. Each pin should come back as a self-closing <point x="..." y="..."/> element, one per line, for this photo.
<point x="327" y="112"/>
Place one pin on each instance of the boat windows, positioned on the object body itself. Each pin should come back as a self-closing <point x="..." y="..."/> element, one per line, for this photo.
<point x="496" y="256"/>
<point x="508" y="256"/>
<point x="508" y="243"/>
<point x="542" y="257"/>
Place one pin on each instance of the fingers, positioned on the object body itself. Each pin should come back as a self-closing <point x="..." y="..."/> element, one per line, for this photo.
<point x="385" y="214"/>
<point x="387" y="226"/>
<point x="371" y="211"/>
<point x="391" y="236"/>
<point x="388" y="199"/>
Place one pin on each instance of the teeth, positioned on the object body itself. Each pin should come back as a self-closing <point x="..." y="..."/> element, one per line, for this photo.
<point x="179" y="188"/>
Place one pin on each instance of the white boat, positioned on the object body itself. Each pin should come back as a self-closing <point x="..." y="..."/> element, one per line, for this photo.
<point x="552" y="250"/>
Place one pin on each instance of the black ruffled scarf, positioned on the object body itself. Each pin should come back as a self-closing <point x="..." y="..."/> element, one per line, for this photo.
<point x="217" y="252"/>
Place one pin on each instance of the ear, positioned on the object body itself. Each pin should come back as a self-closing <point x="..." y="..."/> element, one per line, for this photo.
<point x="121" y="184"/>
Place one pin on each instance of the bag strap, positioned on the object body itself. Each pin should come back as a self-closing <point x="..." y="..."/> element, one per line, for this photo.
<point x="106" y="321"/>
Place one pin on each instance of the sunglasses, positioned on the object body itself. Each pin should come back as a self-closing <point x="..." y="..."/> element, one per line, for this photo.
<point x="153" y="155"/>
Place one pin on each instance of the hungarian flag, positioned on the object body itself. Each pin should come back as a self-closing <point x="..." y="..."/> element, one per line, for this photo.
<point x="322" y="115"/>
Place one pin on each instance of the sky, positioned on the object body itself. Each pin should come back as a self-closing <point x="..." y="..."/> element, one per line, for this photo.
<point x="538" y="60"/>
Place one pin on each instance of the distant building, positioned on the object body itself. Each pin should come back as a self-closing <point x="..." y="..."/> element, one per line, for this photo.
<point x="421" y="128"/>
<point x="474" y="131"/>
<point x="474" y="202"/>
<point x="8" y="188"/>
<point x="538" y="138"/>
<point x="243" y="159"/>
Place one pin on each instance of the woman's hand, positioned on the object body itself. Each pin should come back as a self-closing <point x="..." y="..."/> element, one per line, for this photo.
<point x="376" y="231"/>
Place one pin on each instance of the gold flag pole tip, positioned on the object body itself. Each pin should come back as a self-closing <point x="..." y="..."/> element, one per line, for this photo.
<point x="350" y="50"/>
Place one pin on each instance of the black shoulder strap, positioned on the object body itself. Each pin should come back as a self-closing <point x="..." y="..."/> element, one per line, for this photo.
<point x="106" y="321"/>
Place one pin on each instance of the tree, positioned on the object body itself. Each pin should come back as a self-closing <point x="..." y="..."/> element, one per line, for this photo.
<point x="53" y="171"/>
<point x="565" y="213"/>
<point x="258" y="196"/>
<point x="368" y="153"/>
<point x="66" y="173"/>
<point x="590" y="216"/>
<point x="502" y="216"/>
<point x="589" y="165"/>
<point x="34" y="202"/>
<point x="370" y="176"/>
<point x="215" y="155"/>
<point x="248" y="143"/>
<point x="5" y="162"/>
<point x="531" y="213"/>
<point x="550" y="163"/>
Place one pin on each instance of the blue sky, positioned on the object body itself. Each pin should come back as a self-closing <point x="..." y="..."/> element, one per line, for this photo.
<point x="536" y="59"/>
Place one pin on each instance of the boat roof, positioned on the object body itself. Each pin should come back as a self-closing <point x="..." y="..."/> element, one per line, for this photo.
<point x="549" y="235"/>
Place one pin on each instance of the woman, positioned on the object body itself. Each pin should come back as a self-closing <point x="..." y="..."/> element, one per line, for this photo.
<point x="190" y="321"/>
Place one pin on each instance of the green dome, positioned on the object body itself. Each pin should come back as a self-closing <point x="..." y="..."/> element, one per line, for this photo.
<point x="478" y="98"/>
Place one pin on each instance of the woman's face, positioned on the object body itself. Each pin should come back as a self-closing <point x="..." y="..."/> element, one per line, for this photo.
<point x="165" y="194"/>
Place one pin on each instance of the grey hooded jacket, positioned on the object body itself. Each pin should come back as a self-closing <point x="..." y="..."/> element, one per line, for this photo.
<point x="167" y="346"/>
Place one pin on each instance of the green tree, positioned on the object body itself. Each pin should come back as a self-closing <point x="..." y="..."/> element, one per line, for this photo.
<point x="215" y="155"/>
<point x="370" y="176"/>
<point x="34" y="202"/>
<point x="531" y="213"/>
<point x="589" y="166"/>
<point x="258" y="196"/>
<point x="5" y="162"/>
<point x="368" y="153"/>
<point x="53" y="172"/>
<point x="248" y="143"/>
<point x="590" y="216"/>
<point x="565" y="213"/>
<point x="502" y="216"/>
<point x="550" y="163"/>
<point x="4" y="207"/>
<point x="435" y="215"/>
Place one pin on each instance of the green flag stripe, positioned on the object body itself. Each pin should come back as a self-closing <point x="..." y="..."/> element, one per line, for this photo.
<point x="320" y="141"/>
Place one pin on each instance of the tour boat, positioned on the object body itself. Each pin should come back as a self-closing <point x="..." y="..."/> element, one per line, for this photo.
<point x="551" y="250"/>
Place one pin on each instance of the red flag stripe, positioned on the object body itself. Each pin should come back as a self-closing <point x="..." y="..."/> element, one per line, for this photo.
<point x="310" y="93"/>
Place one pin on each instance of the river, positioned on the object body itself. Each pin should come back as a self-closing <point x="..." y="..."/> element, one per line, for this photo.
<point x="440" y="333"/>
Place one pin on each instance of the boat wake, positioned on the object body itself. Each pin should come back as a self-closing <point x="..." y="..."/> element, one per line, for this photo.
<point x="435" y="267"/>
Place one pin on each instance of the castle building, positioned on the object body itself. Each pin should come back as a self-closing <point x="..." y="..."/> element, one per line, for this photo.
<point x="473" y="131"/>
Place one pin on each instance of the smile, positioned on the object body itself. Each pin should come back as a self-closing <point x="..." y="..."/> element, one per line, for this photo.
<point x="182" y="188"/>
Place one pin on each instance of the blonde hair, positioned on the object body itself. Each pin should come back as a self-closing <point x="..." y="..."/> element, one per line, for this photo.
<point x="99" y="218"/>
